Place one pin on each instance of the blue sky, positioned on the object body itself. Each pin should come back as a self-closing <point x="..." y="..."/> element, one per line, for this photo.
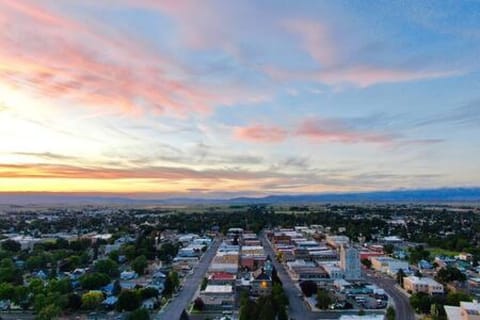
<point x="215" y="98"/>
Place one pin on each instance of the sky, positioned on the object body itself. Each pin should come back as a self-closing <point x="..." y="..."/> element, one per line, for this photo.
<point x="226" y="98"/>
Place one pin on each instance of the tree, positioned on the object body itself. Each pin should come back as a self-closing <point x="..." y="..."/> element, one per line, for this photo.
<point x="400" y="276"/>
<point x="92" y="281"/>
<point x="139" y="264"/>
<point x="117" y="288"/>
<point x="249" y="310"/>
<point x="418" y="253"/>
<point x="63" y="286"/>
<point x="388" y="248"/>
<point x="282" y="313"/>
<point x="11" y="245"/>
<point x="173" y="275"/>
<point x="323" y="299"/>
<point x="139" y="314"/>
<point x="128" y="300"/>
<point x="74" y="301"/>
<point x="148" y="292"/>
<point x="204" y="284"/>
<point x="107" y="266"/>
<point x="450" y="274"/>
<point x="454" y="298"/>
<point x="7" y="291"/>
<point x="267" y="311"/>
<point x="198" y="304"/>
<point x="438" y="312"/>
<point x="49" y="312"/>
<point x="367" y="263"/>
<point x="91" y="300"/>
<point x="390" y="313"/>
<point x="168" y="287"/>
<point x="421" y="302"/>
<point x="308" y="287"/>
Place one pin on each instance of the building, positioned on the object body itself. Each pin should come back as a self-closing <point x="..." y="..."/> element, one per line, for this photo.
<point x="415" y="284"/>
<point x="337" y="241"/>
<point x="225" y="262"/>
<point x="252" y="257"/>
<point x="261" y="284"/>
<point x="350" y="263"/>
<point x="389" y="265"/>
<point x="218" y="297"/>
<point x="466" y="311"/>
<point x="222" y="278"/>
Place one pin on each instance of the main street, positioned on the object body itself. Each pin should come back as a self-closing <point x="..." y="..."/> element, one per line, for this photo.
<point x="403" y="309"/>
<point x="296" y="308"/>
<point x="174" y="309"/>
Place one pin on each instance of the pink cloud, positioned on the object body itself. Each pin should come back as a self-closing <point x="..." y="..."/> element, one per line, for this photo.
<point x="88" y="64"/>
<point x="315" y="39"/>
<point x="326" y="48"/>
<point x="260" y="133"/>
<point x="331" y="130"/>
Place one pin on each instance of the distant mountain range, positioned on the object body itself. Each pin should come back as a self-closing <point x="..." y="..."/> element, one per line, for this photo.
<point x="444" y="195"/>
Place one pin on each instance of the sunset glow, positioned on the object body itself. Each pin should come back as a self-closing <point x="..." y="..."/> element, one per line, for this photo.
<point x="219" y="98"/>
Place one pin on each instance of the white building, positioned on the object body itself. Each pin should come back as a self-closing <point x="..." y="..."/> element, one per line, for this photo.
<point x="388" y="265"/>
<point x="337" y="241"/>
<point x="334" y="272"/>
<point x="350" y="263"/>
<point x="427" y="285"/>
<point x="466" y="311"/>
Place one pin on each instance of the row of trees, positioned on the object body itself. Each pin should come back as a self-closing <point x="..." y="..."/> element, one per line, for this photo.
<point x="271" y="307"/>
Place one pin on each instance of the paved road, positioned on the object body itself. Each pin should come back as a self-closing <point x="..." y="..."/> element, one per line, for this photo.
<point x="296" y="308"/>
<point x="175" y="308"/>
<point x="403" y="309"/>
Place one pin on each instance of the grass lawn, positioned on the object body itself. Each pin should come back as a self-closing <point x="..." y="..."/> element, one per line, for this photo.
<point x="442" y="252"/>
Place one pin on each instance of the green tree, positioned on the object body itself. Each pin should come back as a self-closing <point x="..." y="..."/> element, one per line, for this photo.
<point x="454" y="298"/>
<point x="267" y="311"/>
<point x="117" y="288"/>
<point x="7" y="291"/>
<point x="323" y="299"/>
<point x="92" y="300"/>
<point x="388" y="248"/>
<point x="400" y="275"/>
<point x="63" y="286"/>
<point x="249" y="310"/>
<point x="49" y="312"/>
<point x="204" y="284"/>
<point x="309" y="288"/>
<point x="139" y="314"/>
<point x="107" y="266"/>
<point x="367" y="263"/>
<point x="390" y="313"/>
<point x="450" y="274"/>
<point x="36" y="286"/>
<point x="128" y="300"/>
<point x="282" y="313"/>
<point x="139" y="264"/>
<point x="148" y="292"/>
<point x="421" y="302"/>
<point x="173" y="275"/>
<point x="11" y="245"/>
<point x="198" y="304"/>
<point x="93" y="281"/>
<point x="74" y="301"/>
<point x="438" y="312"/>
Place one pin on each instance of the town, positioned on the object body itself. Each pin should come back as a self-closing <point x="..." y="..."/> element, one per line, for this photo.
<point x="240" y="262"/>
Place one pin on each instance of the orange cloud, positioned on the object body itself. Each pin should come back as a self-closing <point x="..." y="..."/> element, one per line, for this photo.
<point x="260" y="133"/>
